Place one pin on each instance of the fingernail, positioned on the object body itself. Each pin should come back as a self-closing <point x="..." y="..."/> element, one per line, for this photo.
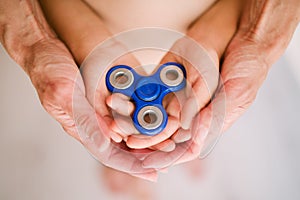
<point x="148" y="164"/>
<point x="170" y="147"/>
<point x="116" y="137"/>
<point x="182" y="136"/>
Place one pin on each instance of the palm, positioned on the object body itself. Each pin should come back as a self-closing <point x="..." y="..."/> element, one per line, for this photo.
<point x="62" y="92"/>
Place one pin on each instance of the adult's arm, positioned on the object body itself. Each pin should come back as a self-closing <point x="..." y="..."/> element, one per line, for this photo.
<point x="28" y="39"/>
<point x="264" y="33"/>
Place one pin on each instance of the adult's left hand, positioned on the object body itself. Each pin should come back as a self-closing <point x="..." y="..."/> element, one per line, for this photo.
<point x="264" y="31"/>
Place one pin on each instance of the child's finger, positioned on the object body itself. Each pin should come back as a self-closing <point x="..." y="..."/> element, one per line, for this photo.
<point x="115" y="137"/>
<point x="143" y="141"/>
<point x="199" y="97"/>
<point x="173" y="108"/>
<point x="166" y="146"/>
<point x="175" y="103"/>
<point x="120" y="104"/>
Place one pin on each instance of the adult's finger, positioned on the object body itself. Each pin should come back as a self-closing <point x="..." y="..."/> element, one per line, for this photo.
<point x="198" y="99"/>
<point x="253" y="50"/>
<point x="94" y="131"/>
<point x="167" y="146"/>
<point x="123" y="125"/>
<point x="202" y="76"/>
<point x="181" y="135"/>
<point x="255" y="47"/>
<point x="183" y="152"/>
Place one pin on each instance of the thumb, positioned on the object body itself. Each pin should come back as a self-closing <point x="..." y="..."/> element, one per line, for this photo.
<point x="90" y="127"/>
<point x="243" y="72"/>
<point x="254" y="48"/>
<point x="243" y="75"/>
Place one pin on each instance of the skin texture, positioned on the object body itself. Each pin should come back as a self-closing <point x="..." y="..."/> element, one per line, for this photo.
<point x="263" y="32"/>
<point x="55" y="75"/>
<point x="261" y="38"/>
<point x="215" y="38"/>
<point x="80" y="37"/>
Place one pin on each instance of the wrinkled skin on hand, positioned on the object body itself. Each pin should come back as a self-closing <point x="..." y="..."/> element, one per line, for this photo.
<point x="60" y="86"/>
<point x="62" y="93"/>
<point x="202" y="79"/>
<point x="262" y="35"/>
<point x="261" y="38"/>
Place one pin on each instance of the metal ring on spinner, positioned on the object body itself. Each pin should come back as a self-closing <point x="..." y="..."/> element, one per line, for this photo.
<point x="147" y="93"/>
<point x="116" y="78"/>
<point x="154" y="114"/>
<point x="171" y="75"/>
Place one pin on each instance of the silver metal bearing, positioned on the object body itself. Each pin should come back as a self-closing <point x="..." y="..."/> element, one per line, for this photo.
<point x="171" y="75"/>
<point x="150" y="117"/>
<point x="121" y="78"/>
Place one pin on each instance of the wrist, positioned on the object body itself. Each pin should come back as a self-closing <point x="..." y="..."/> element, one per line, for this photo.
<point x="268" y="26"/>
<point x="46" y="56"/>
<point x="21" y="26"/>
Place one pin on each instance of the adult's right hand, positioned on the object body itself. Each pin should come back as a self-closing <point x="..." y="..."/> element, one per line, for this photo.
<point x="57" y="79"/>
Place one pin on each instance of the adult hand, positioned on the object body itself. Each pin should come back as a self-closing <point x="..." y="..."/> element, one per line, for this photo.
<point x="208" y="32"/>
<point x="82" y="36"/>
<point x="30" y="42"/>
<point x="202" y="80"/>
<point x="56" y="77"/>
<point x="262" y="36"/>
<point x="200" y="55"/>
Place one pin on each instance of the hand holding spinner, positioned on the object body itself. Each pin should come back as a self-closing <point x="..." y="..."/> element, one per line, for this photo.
<point x="147" y="92"/>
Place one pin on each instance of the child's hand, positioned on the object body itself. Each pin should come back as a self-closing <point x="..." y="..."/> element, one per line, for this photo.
<point x="81" y="33"/>
<point x="122" y="124"/>
<point x="181" y="106"/>
<point x="212" y="33"/>
<point x="202" y="81"/>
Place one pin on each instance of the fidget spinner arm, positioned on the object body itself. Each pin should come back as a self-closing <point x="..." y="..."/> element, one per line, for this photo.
<point x="147" y="93"/>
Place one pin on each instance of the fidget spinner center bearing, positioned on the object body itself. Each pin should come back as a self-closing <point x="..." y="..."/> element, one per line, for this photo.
<point x="147" y="93"/>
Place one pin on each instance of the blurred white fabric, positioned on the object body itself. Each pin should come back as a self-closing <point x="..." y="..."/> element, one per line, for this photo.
<point x="257" y="159"/>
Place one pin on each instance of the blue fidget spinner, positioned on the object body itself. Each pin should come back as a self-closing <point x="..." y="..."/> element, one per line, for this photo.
<point x="147" y="92"/>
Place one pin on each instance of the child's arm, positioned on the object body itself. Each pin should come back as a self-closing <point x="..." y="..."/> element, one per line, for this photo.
<point x="81" y="29"/>
<point x="213" y="30"/>
<point x="76" y="24"/>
